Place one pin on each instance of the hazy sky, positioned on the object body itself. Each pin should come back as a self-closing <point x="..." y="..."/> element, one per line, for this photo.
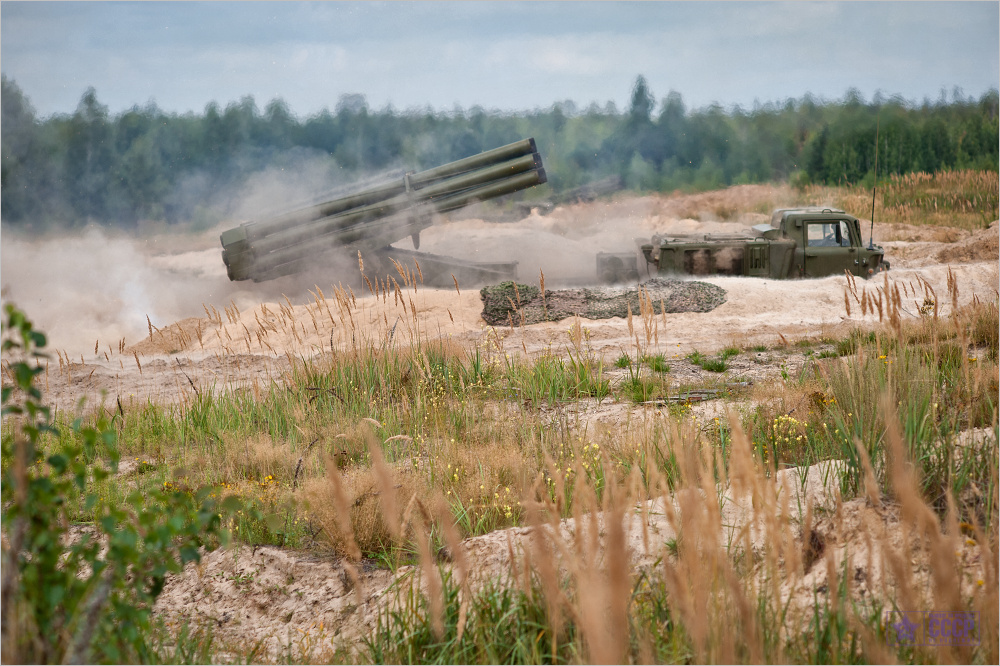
<point x="499" y="55"/>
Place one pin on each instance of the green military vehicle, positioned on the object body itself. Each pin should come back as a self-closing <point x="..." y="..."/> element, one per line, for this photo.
<point x="798" y="243"/>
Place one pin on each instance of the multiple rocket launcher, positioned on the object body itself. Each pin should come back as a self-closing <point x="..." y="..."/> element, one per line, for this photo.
<point x="371" y="220"/>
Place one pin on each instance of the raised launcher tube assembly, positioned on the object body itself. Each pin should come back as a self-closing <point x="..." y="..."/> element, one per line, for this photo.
<point x="369" y="221"/>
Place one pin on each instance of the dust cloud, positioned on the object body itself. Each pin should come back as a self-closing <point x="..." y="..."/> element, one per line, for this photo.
<point x="92" y="286"/>
<point x="311" y="179"/>
<point x="564" y="244"/>
<point x="100" y="284"/>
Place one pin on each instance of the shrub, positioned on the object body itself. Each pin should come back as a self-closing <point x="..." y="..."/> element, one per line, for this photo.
<point x="85" y="594"/>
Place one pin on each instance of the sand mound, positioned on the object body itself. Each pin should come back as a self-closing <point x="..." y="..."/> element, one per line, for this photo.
<point x="911" y="233"/>
<point x="281" y="599"/>
<point x="983" y="246"/>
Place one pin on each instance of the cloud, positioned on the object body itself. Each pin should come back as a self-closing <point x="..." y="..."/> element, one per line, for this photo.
<point x="512" y="56"/>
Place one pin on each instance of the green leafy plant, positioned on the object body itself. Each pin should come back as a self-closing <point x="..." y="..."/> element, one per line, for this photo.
<point x="711" y="364"/>
<point x="503" y="624"/>
<point x="657" y="362"/>
<point x="80" y="577"/>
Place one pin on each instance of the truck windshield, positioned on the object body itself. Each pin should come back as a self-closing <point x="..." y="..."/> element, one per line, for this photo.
<point x="828" y="234"/>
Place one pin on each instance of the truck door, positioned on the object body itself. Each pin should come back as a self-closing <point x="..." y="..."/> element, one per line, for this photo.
<point x="828" y="248"/>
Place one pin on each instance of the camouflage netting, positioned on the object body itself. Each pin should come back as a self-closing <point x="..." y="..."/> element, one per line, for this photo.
<point x="507" y="303"/>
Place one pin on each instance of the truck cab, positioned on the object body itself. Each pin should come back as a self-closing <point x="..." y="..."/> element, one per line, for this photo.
<point x="827" y="242"/>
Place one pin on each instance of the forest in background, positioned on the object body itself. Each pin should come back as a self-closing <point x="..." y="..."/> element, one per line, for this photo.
<point x="145" y="164"/>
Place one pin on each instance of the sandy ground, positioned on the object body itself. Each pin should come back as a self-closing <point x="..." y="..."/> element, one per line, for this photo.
<point x="158" y="320"/>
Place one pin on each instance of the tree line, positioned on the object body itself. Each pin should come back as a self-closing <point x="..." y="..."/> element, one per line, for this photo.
<point x="147" y="164"/>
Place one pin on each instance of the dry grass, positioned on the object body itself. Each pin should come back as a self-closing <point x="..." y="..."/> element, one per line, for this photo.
<point x="655" y="540"/>
<point x="960" y="199"/>
<point x="953" y="199"/>
<point x="746" y="576"/>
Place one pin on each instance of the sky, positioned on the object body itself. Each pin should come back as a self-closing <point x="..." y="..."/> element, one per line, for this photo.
<point x="502" y="56"/>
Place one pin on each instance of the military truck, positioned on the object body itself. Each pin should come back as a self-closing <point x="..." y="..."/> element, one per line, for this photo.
<point x="798" y="243"/>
